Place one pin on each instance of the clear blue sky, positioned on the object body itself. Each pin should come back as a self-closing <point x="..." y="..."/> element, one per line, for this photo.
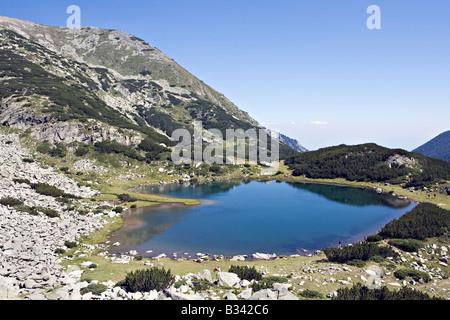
<point x="311" y="69"/>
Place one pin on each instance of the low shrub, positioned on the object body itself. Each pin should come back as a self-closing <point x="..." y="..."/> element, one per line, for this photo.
<point x="267" y="283"/>
<point x="49" y="212"/>
<point x="416" y="275"/>
<point x="11" y="202"/>
<point x="360" y="251"/>
<point x="82" y="150"/>
<point x="30" y="210"/>
<point x="47" y="190"/>
<point x="126" y="198"/>
<point x="59" y="251"/>
<point x="311" y="294"/>
<point x="356" y="263"/>
<point x="201" y="285"/>
<point x="70" y="244"/>
<point x="148" y="279"/>
<point x="409" y="245"/>
<point x="118" y="209"/>
<point x="245" y="272"/>
<point x="95" y="288"/>
<point x="60" y="150"/>
<point x="360" y="292"/>
<point x="22" y="181"/>
<point x="374" y="238"/>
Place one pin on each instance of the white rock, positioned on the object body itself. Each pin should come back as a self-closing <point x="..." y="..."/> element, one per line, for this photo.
<point x="227" y="279"/>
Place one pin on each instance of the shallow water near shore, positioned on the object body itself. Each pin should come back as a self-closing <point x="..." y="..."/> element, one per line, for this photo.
<point x="242" y="218"/>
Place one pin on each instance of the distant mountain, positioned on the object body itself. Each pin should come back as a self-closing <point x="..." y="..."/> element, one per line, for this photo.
<point x="438" y="147"/>
<point x="290" y="142"/>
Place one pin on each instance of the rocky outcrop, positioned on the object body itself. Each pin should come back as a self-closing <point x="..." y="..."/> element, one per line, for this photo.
<point x="401" y="160"/>
<point x="44" y="128"/>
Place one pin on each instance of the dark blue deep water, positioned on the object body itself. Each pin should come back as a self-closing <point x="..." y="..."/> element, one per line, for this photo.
<point x="245" y="218"/>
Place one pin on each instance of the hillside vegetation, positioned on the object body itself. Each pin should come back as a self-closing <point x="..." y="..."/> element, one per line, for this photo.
<point x="370" y="163"/>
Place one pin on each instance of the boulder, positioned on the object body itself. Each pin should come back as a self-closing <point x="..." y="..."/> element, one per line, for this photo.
<point x="170" y="293"/>
<point x="263" y="256"/>
<point x="265" y="294"/>
<point x="230" y="296"/>
<point x="246" y="294"/>
<point x="227" y="279"/>
<point x="205" y="274"/>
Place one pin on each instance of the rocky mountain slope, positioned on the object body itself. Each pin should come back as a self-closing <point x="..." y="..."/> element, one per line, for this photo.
<point x="291" y="143"/>
<point x="90" y="84"/>
<point x="35" y="222"/>
<point x="438" y="147"/>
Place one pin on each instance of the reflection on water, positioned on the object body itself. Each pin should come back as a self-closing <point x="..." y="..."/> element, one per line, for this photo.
<point x="354" y="196"/>
<point x="143" y="224"/>
<point x="193" y="190"/>
<point x="244" y="218"/>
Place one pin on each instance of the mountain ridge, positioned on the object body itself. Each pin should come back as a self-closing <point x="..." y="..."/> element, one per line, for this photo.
<point x="438" y="147"/>
<point x="90" y="84"/>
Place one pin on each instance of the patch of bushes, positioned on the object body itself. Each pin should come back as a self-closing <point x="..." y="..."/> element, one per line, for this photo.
<point x="409" y="245"/>
<point x="30" y="210"/>
<point x="149" y="279"/>
<point x="356" y="263"/>
<point x="215" y="169"/>
<point x="360" y="251"/>
<point x="82" y="150"/>
<point x="47" y="190"/>
<point x="70" y="244"/>
<point x="22" y="181"/>
<point x="95" y="288"/>
<point x="59" y="251"/>
<point x="245" y="272"/>
<point x="113" y="147"/>
<point x="267" y="283"/>
<point x="11" y="202"/>
<point x="125" y="197"/>
<point x="360" y="292"/>
<point x="374" y="238"/>
<point x="118" y="209"/>
<point x="201" y="285"/>
<point x="427" y="220"/>
<point x="311" y="294"/>
<point x="49" y="212"/>
<point x="58" y="151"/>
<point x="416" y="275"/>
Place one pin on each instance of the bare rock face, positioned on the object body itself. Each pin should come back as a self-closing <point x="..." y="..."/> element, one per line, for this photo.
<point x="401" y="160"/>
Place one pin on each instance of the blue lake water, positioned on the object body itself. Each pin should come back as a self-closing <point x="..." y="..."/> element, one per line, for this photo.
<point x="245" y="218"/>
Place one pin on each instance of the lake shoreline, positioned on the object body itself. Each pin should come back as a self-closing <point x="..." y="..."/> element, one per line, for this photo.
<point x="300" y="252"/>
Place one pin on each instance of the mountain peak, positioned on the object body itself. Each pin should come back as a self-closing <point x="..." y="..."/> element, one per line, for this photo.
<point x="54" y="81"/>
<point x="438" y="147"/>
